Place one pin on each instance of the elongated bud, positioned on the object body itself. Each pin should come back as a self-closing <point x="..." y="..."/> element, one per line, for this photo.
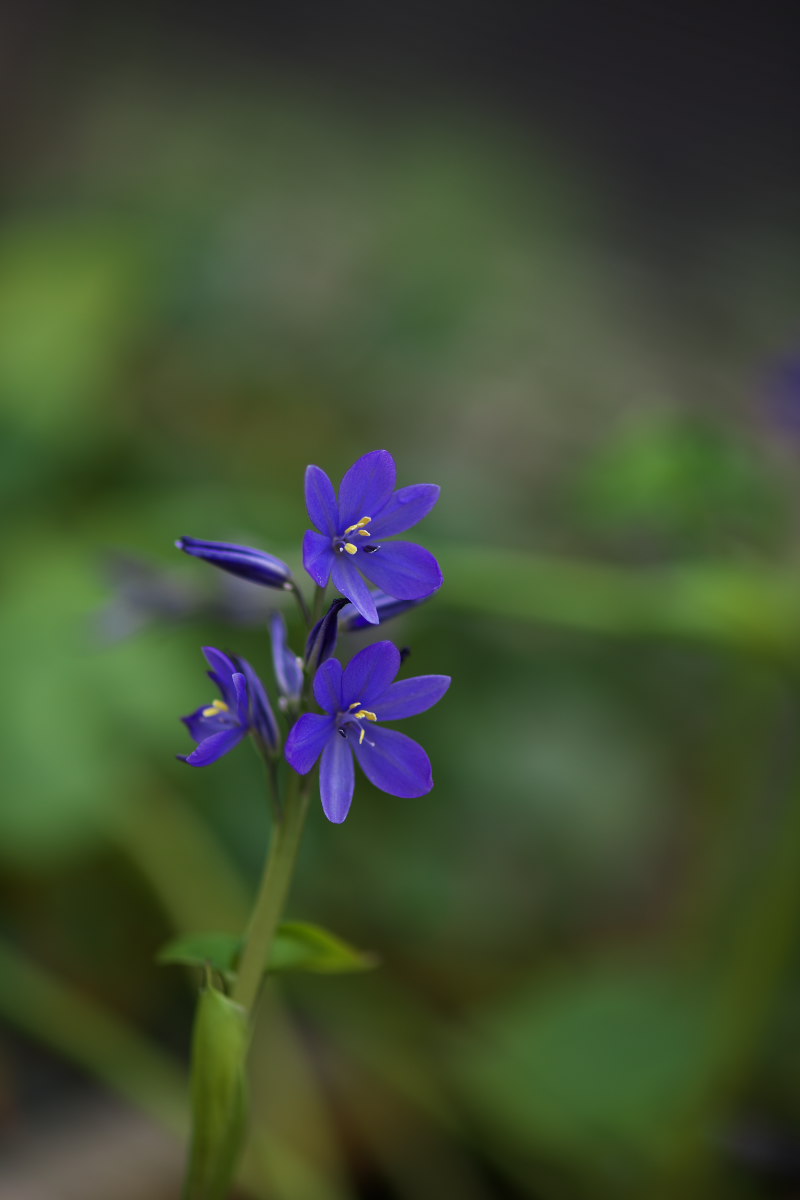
<point x="288" y="667"/>
<point x="244" y="561"/>
<point x="322" y="639"/>
<point x="219" y="1049"/>
<point x="387" y="606"/>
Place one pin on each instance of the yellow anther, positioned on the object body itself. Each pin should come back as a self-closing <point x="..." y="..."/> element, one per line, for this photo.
<point x="363" y="533"/>
<point x="358" y="525"/>
<point x="365" y="715"/>
<point x="355" y="704"/>
<point x="215" y="708"/>
<point x="350" y="548"/>
<point x="361" y="736"/>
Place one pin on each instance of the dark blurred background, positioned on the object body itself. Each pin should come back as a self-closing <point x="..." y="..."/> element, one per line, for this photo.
<point x="547" y="255"/>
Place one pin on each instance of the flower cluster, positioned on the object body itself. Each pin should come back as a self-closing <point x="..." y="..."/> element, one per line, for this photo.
<point x="349" y="547"/>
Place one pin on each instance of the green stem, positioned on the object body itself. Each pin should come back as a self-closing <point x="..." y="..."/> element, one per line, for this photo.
<point x="272" y="893"/>
<point x="301" y="604"/>
<point x="317" y="605"/>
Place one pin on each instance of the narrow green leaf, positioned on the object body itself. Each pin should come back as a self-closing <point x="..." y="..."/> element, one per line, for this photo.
<point x="298" y="946"/>
<point x="217" y="950"/>
<point x="219" y="1048"/>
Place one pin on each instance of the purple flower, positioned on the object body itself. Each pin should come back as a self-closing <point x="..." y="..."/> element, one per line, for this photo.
<point x="288" y="667"/>
<point x="244" y="708"/>
<point x="355" y="700"/>
<point x="350" y="542"/>
<point x="244" y="561"/>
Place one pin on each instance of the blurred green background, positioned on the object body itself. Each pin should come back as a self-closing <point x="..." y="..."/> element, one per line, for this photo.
<point x="220" y="266"/>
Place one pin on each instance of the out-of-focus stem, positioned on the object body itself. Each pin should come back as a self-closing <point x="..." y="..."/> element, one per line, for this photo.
<point x="272" y="893"/>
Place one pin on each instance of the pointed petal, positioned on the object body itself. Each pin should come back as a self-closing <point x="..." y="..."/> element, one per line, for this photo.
<point x="402" y="569"/>
<point x="410" y="696"/>
<point x="370" y="673"/>
<point x="321" y="501"/>
<point x="405" y="508"/>
<point x="318" y="557"/>
<point x="288" y="667"/>
<point x="214" y="747"/>
<point x="222" y="671"/>
<point x="307" y="740"/>
<point x="245" y="561"/>
<point x="366" y="487"/>
<point x="259" y="714"/>
<point x="242" y="709"/>
<point x="394" y="763"/>
<point x="349" y="582"/>
<point x="336" y="779"/>
<point x="328" y="686"/>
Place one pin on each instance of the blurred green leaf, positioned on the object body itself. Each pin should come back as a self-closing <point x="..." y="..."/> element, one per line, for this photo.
<point x="298" y="946"/>
<point x="603" y="1065"/>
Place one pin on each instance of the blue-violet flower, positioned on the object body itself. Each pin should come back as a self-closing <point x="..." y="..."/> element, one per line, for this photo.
<point x="244" y="708"/>
<point x="350" y="542"/>
<point x="355" y="699"/>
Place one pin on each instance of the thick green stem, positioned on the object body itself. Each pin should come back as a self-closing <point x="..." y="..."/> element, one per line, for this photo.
<point x="272" y="893"/>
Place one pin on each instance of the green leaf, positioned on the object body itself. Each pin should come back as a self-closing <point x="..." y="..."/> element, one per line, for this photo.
<point x="217" y="950"/>
<point x="298" y="946"/>
<point x="219" y="1049"/>
<point x="303" y="947"/>
<point x="610" y="1064"/>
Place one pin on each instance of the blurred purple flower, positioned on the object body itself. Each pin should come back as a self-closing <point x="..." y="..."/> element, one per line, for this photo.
<point x="783" y="393"/>
<point x="355" y="699"/>
<point x="348" y="550"/>
<point x="244" y="708"/>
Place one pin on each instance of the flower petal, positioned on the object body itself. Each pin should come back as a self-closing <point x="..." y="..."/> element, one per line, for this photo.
<point x="259" y="714"/>
<point x="328" y="686"/>
<point x="370" y="673"/>
<point x="366" y="487"/>
<point x="336" y="779"/>
<point x="307" y="740"/>
<point x="214" y="747"/>
<point x="347" y="579"/>
<point x="405" y="508"/>
<point x="318" y="557"/>
<point x="245" y="561"/>
<point x="288" y="667"/>
<point x="408" y="697"/>
<point x="222" y="671"/>
<point x="402" y="569"/>
<point x="321" y="501"/>
<point x="394" y="763"/>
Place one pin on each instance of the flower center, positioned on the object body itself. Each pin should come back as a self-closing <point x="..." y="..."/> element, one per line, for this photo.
<point x="353" y="718"/>
<point x="218" y="708"/>
<point x="345" y="543"/>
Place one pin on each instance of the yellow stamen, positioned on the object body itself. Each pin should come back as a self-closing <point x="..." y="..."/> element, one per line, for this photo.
<point x="355" y="704"/>
<point x="214" y="709"/>
<point x="361" y="736"/>
<point x="358" y="525"/>
<point x="365" y="715"/>
<point x="350" y="548"/>
<point x="363" y="533"/>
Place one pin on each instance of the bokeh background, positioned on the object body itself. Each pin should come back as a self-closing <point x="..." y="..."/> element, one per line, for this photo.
<point x="547" y="255"/>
